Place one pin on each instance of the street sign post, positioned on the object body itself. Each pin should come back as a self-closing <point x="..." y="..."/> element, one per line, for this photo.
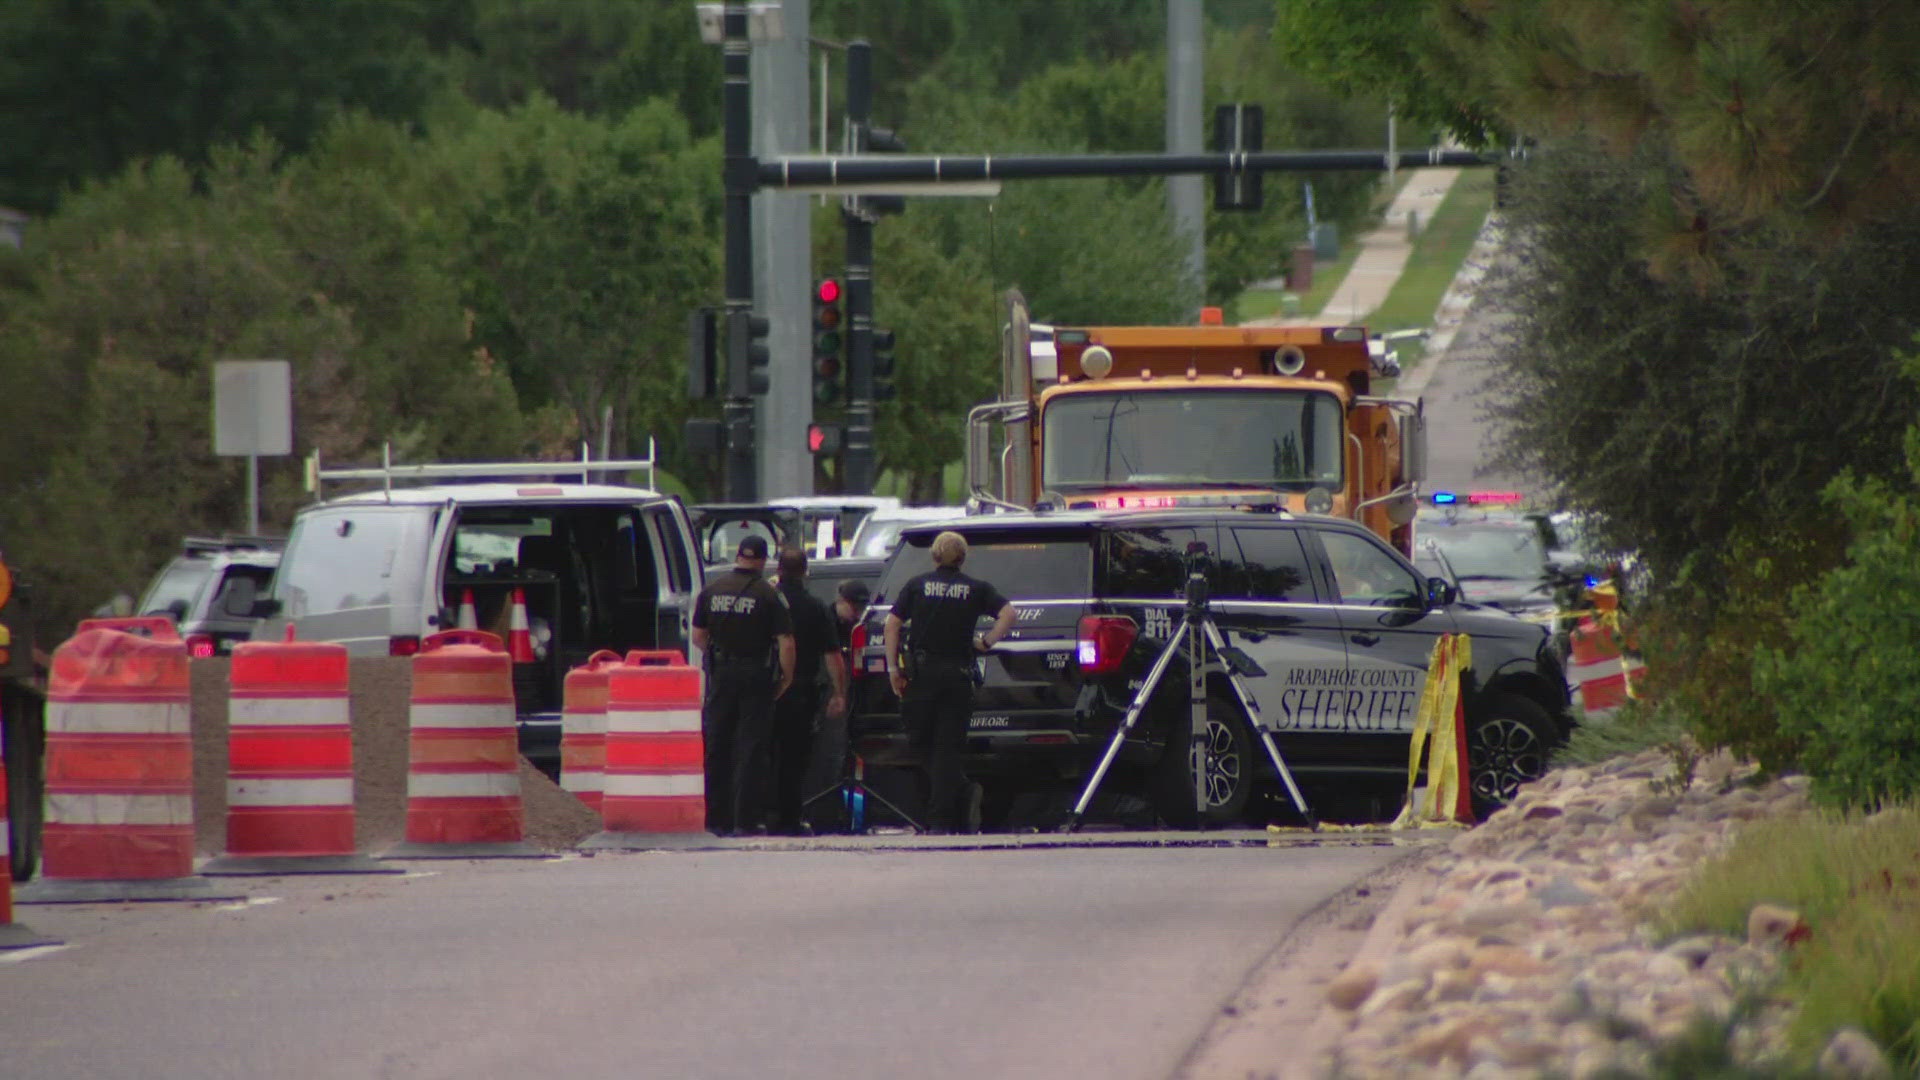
<point x="253" y="417"/>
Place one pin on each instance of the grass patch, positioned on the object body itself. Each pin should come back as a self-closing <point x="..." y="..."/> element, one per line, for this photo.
<point x="1437" y="254"/>
<point x="1855" y="879"/>
<point x="1634" y="729"/>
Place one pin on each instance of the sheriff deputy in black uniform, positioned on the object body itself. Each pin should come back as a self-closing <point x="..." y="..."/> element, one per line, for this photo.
<point x="940" y="609"/>
<point x="742" y="626"/>
<point x="815" y="646"/>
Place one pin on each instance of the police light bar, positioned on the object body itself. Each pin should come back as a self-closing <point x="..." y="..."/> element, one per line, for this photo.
<point x="1495" y="498"/>
<point x="1445" y="498"/>
<point x="1250" y="500"/>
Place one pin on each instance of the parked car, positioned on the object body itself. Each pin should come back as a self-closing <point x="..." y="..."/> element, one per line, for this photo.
<point x="600" y="567"/>
<point x="1340" y="624"/>
<point x="209" y="589"/>
<point x="879" y="534"/>
<point x="827" y="522"/>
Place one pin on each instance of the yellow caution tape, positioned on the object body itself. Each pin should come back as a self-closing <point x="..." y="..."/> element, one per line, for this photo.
<point x="1436" y="737"/>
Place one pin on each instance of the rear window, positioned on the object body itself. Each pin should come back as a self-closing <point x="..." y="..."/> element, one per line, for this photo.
<point x="173" y="592"/>
<point x="1024" y="565"/>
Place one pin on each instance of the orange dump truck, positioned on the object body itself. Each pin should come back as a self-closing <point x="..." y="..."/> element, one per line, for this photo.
<point x="1122" y="417"/>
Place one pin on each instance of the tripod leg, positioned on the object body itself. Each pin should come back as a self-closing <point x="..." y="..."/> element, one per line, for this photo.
<point x="1134" y="710"/>
<point x="1199" y="740"/>
<point x="1252" y="707"/>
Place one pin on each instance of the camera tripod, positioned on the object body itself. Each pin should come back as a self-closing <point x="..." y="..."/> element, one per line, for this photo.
<point x="1195" y="636"/>
<point x="853" y="792"/>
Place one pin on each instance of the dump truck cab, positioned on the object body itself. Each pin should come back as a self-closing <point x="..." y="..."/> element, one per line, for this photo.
<point x="1156" y="417"/>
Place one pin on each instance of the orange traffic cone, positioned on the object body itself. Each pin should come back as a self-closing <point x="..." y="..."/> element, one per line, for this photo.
<point x="519" y="632"/>
<point x="469" y="618"/>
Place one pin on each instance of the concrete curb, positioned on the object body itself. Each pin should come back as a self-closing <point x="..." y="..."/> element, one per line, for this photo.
<point x="1278" y="1025"/>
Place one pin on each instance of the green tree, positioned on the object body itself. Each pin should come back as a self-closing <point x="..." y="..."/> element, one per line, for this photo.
<point x="93" y="86"/>
<point x="601" y="58"/>
<point x="1383" y="49"/>
<point x="587" y="243"/>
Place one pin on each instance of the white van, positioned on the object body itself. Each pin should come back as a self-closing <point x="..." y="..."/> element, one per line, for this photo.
<point x="600" y="566"/>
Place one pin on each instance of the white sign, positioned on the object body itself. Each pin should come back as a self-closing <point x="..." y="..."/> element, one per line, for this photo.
<point x="252" y="408"/>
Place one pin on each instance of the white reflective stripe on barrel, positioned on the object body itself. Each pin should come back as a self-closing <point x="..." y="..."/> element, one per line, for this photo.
<point x="324" y="791"/>
<point x="588" y="780"/>
<point x="71" y="809"/>
<point x="628" y="721"/>
<point x="463" y="785"/>
<point x="289" y="712"/>
<point x="477" y="715"/>
<point x="117" y="717"/>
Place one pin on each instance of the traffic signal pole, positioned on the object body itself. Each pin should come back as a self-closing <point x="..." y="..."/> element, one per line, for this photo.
<point x="858" y="451"/>
<point x="742" y="483"/>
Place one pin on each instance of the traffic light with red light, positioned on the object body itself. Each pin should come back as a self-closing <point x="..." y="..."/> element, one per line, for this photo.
<point x="829" y="381"/>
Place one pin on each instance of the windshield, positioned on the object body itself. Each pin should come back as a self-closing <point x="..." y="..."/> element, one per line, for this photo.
<point x="1510" y="552"/>
<point x="174" y="591"/>
<point x="1256" y="438"/>
<point x="1028" y="566"/>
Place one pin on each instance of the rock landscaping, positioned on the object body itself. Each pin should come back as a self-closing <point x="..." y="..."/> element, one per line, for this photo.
<point x="1526" y="952"/>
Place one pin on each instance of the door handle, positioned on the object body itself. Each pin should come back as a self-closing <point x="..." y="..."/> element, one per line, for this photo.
<point x="1366" y="639"/>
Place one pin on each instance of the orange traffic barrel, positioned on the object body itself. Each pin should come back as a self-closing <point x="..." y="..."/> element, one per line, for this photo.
<point x="119" y="802"/>
<point x="13" y="935"/>
<point x="290" y="807"/>
<point x="656" y="772"/>
<point x="463" y="765"/>
<point x="583" y="729"/>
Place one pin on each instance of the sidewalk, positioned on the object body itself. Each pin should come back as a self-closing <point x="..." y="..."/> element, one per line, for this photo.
<point x="1383" y="255"/>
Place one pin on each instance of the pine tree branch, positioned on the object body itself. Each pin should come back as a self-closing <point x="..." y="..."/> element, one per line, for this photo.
<point x="1854" y="137"/>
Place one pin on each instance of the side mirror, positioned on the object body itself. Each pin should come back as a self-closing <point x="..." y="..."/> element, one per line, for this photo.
<point x="1440" y="592"/>
<point x="264" y="609"/>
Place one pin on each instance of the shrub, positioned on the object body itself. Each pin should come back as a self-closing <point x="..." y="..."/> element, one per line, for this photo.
<point x="1700" y="635"/>
<point x="1846" y="686"/>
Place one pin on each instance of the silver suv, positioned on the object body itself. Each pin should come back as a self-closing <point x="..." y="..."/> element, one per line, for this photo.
<point x="210" y="588"/>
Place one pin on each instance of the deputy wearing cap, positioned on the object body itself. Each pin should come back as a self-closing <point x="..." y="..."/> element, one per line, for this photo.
<point x="939" y="610"/>
<point x="742" y="626"/>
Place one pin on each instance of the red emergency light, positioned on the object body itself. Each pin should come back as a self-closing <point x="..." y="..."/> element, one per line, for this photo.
<point x="1495" y="498"/>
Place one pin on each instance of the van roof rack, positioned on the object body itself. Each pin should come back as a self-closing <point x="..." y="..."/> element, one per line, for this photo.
<point x="387" y="472"/>
<point x="213" y="545"/>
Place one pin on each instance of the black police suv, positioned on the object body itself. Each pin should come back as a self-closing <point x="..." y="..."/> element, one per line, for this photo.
<point x="1340" y="623"/>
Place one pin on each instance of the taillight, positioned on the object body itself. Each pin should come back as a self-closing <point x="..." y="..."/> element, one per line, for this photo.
<point x="200" y="646"/>
<point x="406" y="645"/>
<point x="1104" y="642"/>
<point x="857" y="644"/>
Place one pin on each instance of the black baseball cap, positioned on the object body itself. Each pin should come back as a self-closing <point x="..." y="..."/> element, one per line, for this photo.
<point x="753" y="547"/>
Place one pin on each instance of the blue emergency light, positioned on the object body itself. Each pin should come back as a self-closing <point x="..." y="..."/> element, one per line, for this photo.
<point x="1445" y="498"/>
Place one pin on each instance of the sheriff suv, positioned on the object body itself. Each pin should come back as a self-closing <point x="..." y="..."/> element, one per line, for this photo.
<point x="1340" y="625"/>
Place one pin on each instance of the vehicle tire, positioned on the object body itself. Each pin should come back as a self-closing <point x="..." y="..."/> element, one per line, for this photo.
<point x="1509" y="737"/>
<point x="1232" y="768"/>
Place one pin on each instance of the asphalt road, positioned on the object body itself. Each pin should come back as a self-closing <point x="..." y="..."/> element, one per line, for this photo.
<point x="1046" y="963"/>
<point x="1458" y="434"/>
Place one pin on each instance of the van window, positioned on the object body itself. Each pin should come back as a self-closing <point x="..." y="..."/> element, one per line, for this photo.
<point x="488" y="547"/>
<point x="1022" y="565"/>
<point x="338" y="560"/>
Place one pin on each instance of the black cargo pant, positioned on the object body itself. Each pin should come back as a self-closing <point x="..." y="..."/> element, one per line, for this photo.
<point x="937" y="709"/>
<point x="793" y="716"/>
<point x="737" y="724"/>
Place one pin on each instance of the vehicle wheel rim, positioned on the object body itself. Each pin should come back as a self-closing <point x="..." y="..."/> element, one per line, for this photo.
<point x="1502" y="754"/>
<point x="1221" y="764"/>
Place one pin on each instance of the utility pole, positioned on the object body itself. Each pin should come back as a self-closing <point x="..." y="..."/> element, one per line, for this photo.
<point x="1186" y="195"/>
<point x="738" y="176"/>
<point x="782" y="233"/>
<point x="859" y="450"/>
